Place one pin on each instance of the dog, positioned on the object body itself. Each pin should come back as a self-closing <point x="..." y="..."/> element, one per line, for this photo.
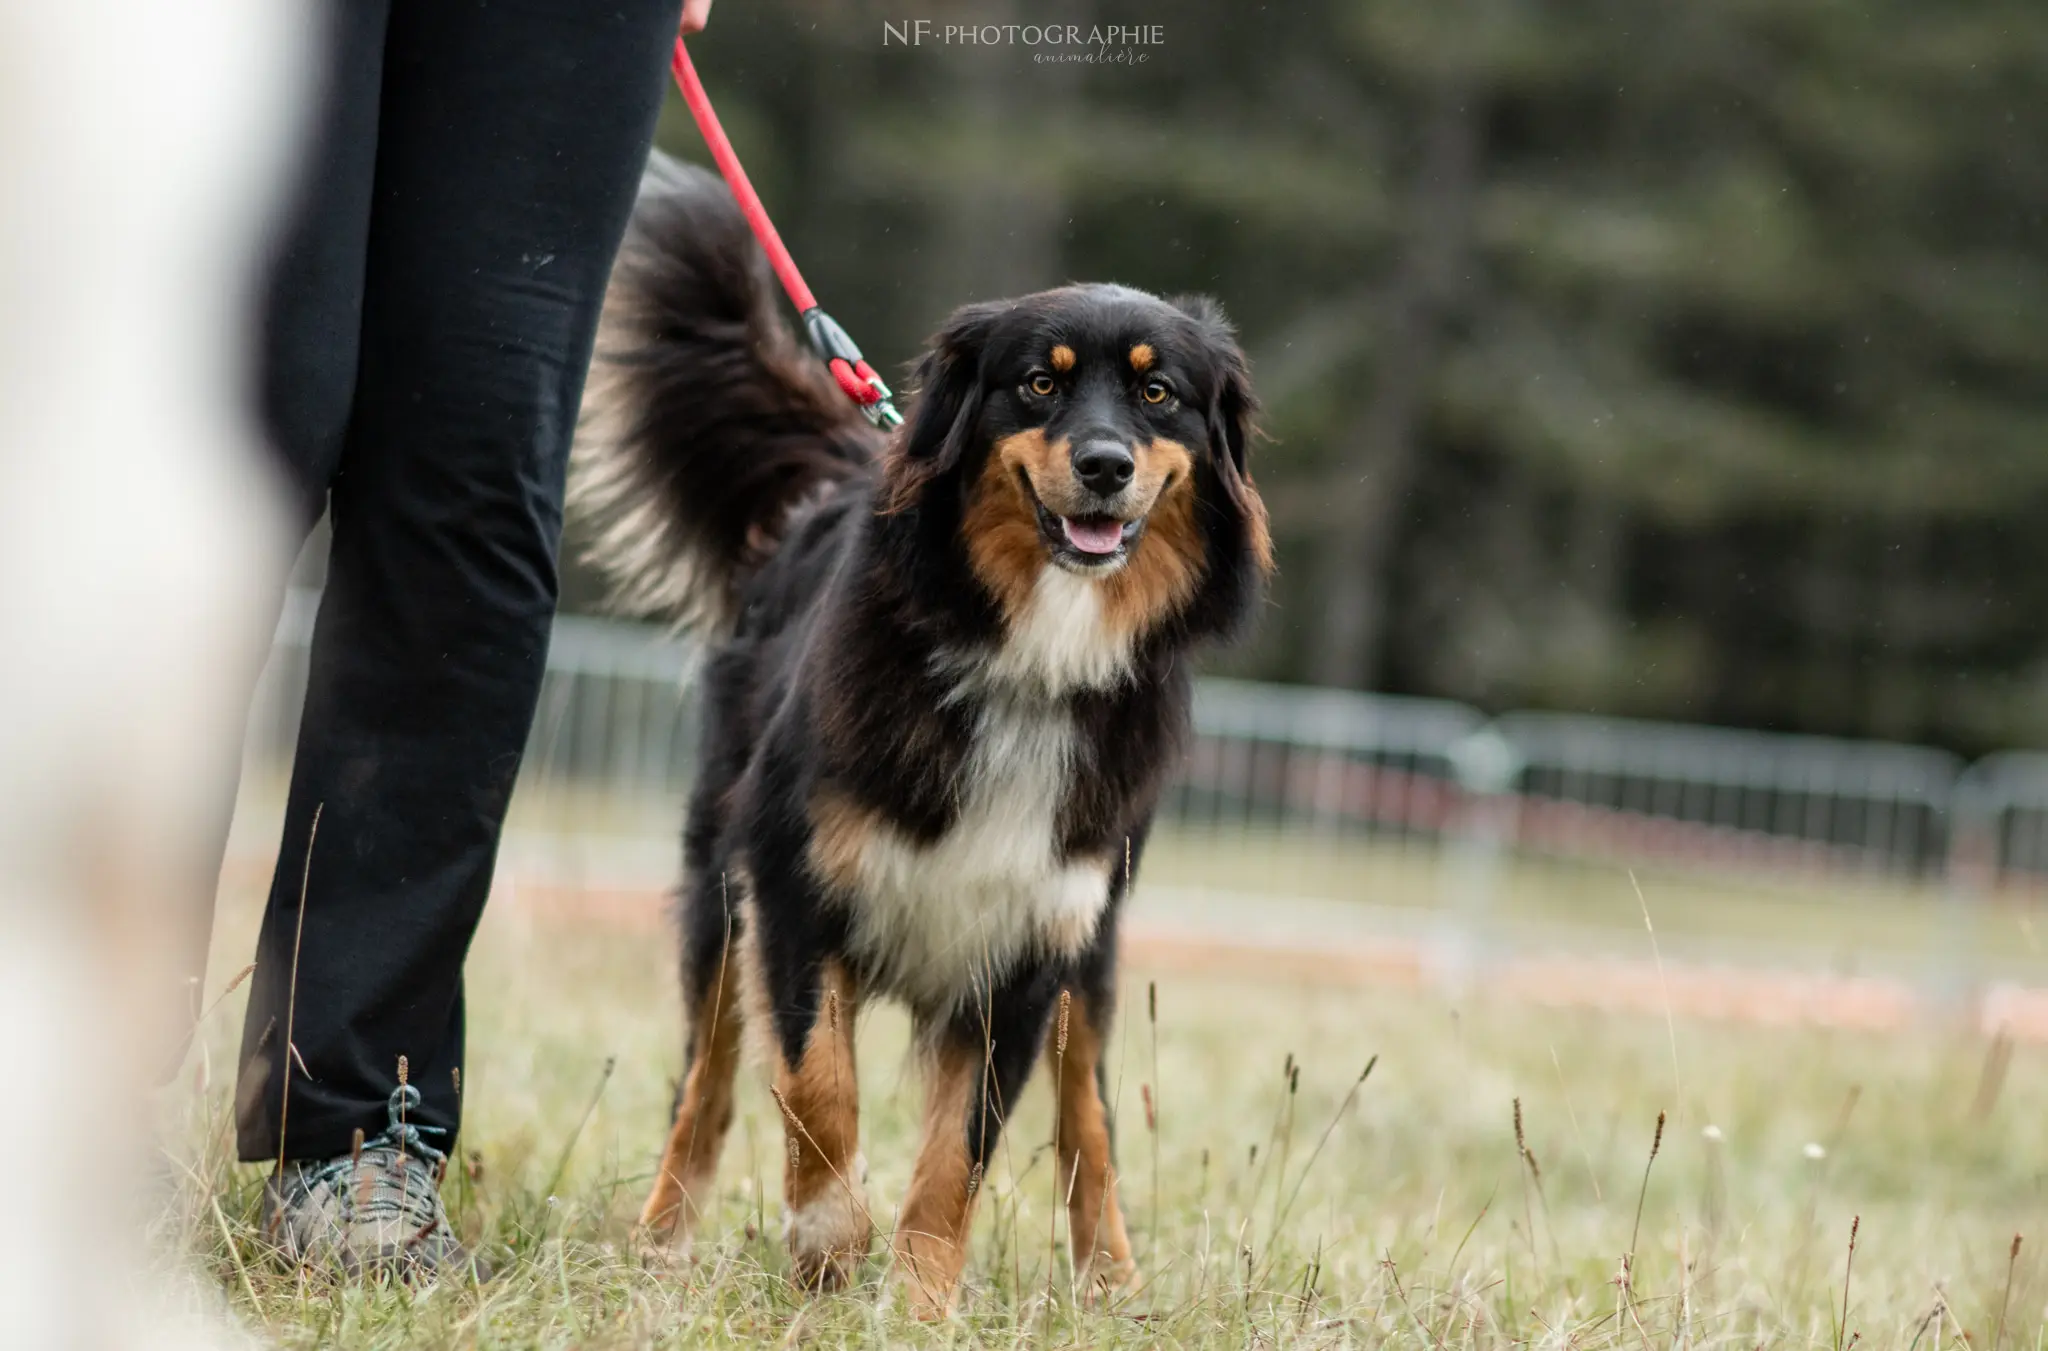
<point x="948" y="675"/>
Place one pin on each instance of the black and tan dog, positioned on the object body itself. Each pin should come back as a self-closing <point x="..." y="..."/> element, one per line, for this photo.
<point x="949" y="675"/>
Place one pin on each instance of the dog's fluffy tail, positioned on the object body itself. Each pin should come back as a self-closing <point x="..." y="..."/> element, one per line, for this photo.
<point x="706" y="424"/>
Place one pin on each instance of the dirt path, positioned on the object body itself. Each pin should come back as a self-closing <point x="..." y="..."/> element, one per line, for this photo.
<point x="1283" y="941"/>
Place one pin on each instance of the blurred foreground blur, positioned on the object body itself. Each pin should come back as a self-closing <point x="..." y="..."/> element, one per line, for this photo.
<point x="137" y="146"/>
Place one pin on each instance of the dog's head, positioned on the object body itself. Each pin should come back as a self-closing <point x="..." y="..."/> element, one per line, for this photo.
<point x="1100" y="432"/>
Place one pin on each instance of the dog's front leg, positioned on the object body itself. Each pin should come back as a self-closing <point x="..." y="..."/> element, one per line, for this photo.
<point x="975" y="1064"/>
<point x="1095" y="1222"/>
<point x="931" y="1232"/>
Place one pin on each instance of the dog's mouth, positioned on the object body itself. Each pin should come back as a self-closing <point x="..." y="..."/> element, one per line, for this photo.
<point x="1085" y="542"/>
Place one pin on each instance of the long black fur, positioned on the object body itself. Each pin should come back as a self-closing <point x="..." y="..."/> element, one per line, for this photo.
<point x="706" y="422"/>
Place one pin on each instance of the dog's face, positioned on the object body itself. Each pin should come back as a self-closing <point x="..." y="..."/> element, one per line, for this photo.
<point x="1094" y="430"/>
<point x="1096" y="420"/>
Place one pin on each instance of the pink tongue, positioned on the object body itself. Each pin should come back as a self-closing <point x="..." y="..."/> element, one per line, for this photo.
<point x="1094" y="537"/>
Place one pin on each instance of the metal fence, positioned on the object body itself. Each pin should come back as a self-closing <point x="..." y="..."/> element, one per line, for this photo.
<point x="1604" y="786"/>
<point x="614" y="743"/>
<point x="1332" y="764"/>
<point x="2000" y="818"/>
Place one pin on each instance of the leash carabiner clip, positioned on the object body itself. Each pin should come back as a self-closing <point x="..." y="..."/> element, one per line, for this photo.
<point x="859" y="380"/>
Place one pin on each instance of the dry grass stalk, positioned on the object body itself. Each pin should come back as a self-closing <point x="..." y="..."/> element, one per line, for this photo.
<point x="1533" y="1173"/>
<point x="611" y="1062"/>
<point x="1656" y="1143"/>
<point x="291" y="1003"/>
<point x="234" y="984"/>
<point x="2012" y="1261"/>
<point x="1572" y="1113"/>
<point x="1394" y="1276"/>
<point x="1329" y="1130"/>
<point x="789" y="1115"/>
<point x="1848" y="1271"/>
<point x="1151" y="1101"/>
<point x="404" y="1068"/>
<point x="1991" y="1075"/>
<point x="1663" y="992"/>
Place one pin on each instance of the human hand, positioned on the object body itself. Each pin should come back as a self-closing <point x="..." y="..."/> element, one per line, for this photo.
<point x="696" y="13"/>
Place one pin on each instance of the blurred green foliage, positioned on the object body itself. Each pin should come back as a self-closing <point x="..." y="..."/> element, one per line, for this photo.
<point x="1686" y="360"/>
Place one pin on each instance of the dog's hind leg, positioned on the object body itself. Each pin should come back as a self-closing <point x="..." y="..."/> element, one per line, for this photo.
<point x="682" y="1184"/>
<point x="709" y="918"/>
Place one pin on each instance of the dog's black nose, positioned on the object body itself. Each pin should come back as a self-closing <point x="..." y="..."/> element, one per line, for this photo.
<point x="1103" y="467"/>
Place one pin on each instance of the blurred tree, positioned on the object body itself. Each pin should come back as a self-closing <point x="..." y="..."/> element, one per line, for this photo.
<point x="1684" y="362"/>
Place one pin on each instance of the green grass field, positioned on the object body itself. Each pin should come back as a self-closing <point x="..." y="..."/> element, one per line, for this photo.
<point x="1403" y="1215"/>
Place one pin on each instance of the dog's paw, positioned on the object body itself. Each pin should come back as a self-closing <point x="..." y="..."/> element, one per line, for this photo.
<point x="925" y="1273"/>
<point x="1109" y="1281"/>
<point x="828" y="1240"/>
<point x="659" y="1251"/>
<point x="928" y="1300"/>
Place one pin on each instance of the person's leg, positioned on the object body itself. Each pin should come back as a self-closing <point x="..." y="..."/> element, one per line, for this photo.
<point x="305" y="372"/>
<point x="511" y="143"/>
<point x="313" y="292"/>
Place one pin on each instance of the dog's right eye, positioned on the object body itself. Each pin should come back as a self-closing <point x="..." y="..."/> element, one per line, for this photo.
<point x="1041" y="384"/>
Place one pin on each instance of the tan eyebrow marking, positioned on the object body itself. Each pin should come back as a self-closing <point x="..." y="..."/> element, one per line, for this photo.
<point x="1142" y="357"/>
<point x="1063" y="358"/>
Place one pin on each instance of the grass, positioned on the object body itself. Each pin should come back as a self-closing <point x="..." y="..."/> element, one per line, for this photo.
<point x="1294" y="1205"/>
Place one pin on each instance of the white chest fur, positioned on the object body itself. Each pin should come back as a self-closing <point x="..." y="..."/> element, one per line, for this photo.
<point x="1062" y="639"/>
<point x="937" y="920"/>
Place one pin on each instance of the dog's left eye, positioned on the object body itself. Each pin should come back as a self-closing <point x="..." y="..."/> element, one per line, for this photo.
<point x="1157" y="391"/>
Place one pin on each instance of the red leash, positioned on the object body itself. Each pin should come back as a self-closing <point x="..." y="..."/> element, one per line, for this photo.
<point x="848" y="367"/>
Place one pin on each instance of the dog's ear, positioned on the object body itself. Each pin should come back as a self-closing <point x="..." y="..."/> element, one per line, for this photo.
<point x="1230" y="414"/>
<point x="1232" y="407"/>
<point x="946" y="390"/>
<point x="1231" y="401"/>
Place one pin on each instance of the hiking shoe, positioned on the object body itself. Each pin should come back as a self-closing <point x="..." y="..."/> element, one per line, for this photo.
<point x="376" y="1211"/>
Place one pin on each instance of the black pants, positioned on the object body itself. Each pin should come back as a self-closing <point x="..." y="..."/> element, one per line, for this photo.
<point x="427" y="329"/>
